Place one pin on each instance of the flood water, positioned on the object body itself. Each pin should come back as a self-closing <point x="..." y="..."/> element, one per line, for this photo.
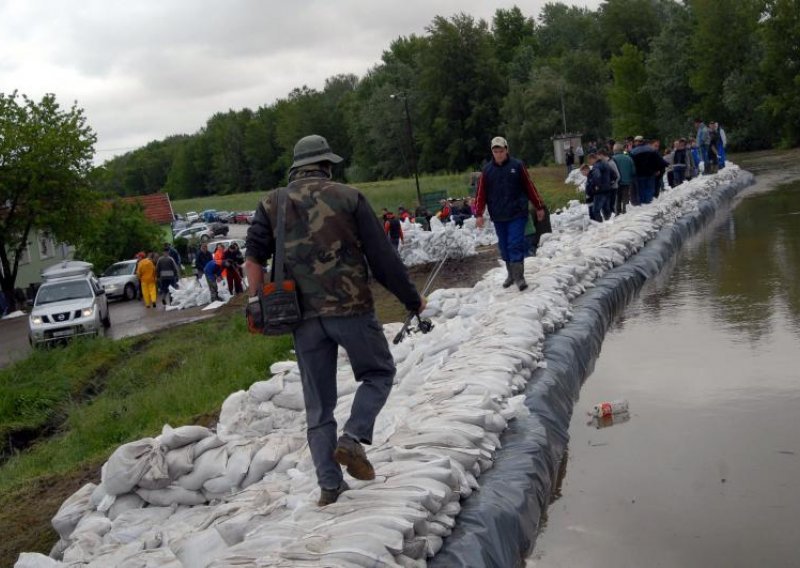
<point x="706" y="472"/>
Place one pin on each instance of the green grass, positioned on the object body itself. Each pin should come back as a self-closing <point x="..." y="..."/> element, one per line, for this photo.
<point x="88" y="398"/>
<point x="399" y="191"/>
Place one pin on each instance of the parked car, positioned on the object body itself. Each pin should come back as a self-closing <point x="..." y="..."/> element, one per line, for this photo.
<point x="120" y="281"/>
<point x="69" y="303"/>
<point x="218" y="229"/>
<point x="212" y="246"/>
<point x="225" y="216"/>
<point x="243" y="216"/>
<point x="200" y="231"/>
<point x="192" y="216"/>
<point x="209" y="216"/>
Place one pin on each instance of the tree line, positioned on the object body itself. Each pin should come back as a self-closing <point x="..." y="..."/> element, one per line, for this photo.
<point x="630" y="67"/>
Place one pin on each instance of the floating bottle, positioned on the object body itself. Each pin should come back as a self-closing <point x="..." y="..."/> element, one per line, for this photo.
<point x="609" y="408"/>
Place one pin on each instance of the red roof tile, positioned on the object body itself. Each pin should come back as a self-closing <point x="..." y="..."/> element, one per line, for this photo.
<point x="157" y="206"/>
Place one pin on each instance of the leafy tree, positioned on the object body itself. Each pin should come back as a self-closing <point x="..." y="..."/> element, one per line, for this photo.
<point x="262" y="151"/>
<point x="462" y="90"/>
<point x="632" y="108"/>
<point x="116" y="231"/>
<point x="563" y="29"/>
<point x="45" y="157"/>
<point x="781" y="66"/>
<point x="668" y="65"/>
<point x="634" y="22"/>
<point x="722" y="42"/>
<point x="225" y="136"/>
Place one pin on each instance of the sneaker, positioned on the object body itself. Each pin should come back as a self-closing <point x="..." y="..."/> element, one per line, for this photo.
<point x="328" y="496"/>
<point x="351" y="454"/>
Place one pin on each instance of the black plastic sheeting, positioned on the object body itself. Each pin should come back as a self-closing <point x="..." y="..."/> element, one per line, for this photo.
<point x="498" y="525"/>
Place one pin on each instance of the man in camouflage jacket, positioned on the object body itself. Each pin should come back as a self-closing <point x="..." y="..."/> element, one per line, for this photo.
<point x="332" y="236"/>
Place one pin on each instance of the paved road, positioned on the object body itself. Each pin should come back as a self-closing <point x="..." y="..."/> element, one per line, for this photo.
<point x="127" y="319"/>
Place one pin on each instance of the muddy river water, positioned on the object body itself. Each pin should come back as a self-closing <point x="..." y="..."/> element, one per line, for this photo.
<point x="706" y="471"/>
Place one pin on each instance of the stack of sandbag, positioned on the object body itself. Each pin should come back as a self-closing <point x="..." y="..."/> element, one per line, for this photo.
<point x="455" y="390"/>
<point x="420" y="247"/>
<point x="194" y="292"/>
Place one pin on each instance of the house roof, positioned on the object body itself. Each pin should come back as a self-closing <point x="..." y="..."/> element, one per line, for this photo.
<point x="157" y="206"/>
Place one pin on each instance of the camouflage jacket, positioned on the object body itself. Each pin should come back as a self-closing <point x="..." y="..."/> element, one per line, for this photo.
<point x="332" y="236"/>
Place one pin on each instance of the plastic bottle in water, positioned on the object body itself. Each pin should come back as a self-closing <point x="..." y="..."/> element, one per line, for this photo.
<point x="609" y="408"/>
<point x="609" y="420"/>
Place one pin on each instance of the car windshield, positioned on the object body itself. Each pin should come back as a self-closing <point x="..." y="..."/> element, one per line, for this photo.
<point x="120" y="269"/>
<point x="58" y="292"/>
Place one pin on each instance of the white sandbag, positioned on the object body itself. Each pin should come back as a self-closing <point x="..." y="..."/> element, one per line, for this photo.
<point x="172" y="438"/>
<point x="236" y="468"/>
<point x="130" y="462"/>
<point x="172" y="495"/>
<point x="208" y="466"/>
<point x="206" y="444"/>
<point x="72" y="510"/>
<point x="95" y="523"/>
<point x="200" y="548"/>
<point x="36" y="560"/>
<point x="262" y="391"/>
<point x="290" y="397"/>
<point x="269" y="455"/>
<point x="131" y="524"/>
<point x="180" y="461"/>
<point x="126" y="502"/>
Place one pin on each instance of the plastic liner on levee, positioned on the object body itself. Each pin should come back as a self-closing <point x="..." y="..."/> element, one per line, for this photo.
<point x="465" y="451"/>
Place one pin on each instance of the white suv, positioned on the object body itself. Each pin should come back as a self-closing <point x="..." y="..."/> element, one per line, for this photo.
<point x="69" y="303"/>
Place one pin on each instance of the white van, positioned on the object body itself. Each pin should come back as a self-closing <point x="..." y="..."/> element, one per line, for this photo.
<point x="70" y="302"/>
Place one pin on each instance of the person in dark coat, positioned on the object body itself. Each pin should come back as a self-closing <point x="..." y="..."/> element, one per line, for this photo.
<point x="201" y="259"/>
<point x="505" y="188"/>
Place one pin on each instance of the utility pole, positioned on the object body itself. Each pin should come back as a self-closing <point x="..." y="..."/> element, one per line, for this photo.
<point x="402" y="96"/>
<point x="563" y="112"/>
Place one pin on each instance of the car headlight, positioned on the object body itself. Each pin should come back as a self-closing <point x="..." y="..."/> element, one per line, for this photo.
<point x="36" y="320"/>
<point x="87" y="312"/>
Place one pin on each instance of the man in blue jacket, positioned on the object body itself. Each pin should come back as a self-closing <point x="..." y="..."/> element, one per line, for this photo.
<point x="505" y="188"/>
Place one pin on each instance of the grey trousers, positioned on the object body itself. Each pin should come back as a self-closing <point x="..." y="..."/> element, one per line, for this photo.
<point x="316" y="343"/>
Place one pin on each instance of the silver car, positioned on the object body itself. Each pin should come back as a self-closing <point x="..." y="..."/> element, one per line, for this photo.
<point x="69" y="303"/>
<point x="120" y="281"/>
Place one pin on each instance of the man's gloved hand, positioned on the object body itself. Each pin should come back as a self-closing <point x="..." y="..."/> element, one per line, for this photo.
<point x="255" y="319"/>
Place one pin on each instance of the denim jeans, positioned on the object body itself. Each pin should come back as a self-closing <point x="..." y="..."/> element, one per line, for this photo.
<point x="511" y="238"/>
<point x="316" y="342"/>
<point x="647" y="188"/>
<point x="602" y="205"/>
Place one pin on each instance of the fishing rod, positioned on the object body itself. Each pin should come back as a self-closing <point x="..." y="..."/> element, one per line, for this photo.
<point x="424" y="325"/>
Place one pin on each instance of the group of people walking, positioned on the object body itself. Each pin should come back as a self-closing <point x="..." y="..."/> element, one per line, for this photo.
<point x="632" y="172"/>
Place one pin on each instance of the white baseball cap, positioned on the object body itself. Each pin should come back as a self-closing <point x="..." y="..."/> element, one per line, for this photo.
<point x="499" y="141"/>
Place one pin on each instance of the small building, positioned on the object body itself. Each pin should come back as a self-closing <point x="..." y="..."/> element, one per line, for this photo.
<point x="157" y="207"/>
<point x="560" y="144"/>
<point x="41" y="252"/>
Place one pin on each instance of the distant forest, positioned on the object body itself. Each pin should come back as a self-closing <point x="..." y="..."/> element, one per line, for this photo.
<point x="631" y="67"/>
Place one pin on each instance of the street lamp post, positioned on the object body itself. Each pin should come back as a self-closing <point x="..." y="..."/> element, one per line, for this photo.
<point x="410" y="130"/>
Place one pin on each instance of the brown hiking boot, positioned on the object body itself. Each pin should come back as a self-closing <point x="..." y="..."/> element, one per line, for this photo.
<point x="328" y="496"/>
<point x="351" y="454"/>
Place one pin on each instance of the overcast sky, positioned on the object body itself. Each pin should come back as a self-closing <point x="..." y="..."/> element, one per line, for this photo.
<point x="146" y="69"/>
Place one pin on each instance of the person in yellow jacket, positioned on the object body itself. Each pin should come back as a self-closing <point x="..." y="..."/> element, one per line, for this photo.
<point x="146" y="272"/>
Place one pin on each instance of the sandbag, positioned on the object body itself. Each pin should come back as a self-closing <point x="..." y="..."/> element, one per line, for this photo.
<point x="72" y="510"/>
<point x="208" y="466"/>
<point x="172" y="495"/>
<point x="130" y="462"/>
<point x="172" y="438"/>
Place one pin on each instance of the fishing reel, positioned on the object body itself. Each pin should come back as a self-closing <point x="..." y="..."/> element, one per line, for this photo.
<point x="424" y="325"/>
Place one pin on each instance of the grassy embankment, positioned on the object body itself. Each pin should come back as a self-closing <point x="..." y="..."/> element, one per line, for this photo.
<point x="63" y="411"/>
<point x="400" y="191"/>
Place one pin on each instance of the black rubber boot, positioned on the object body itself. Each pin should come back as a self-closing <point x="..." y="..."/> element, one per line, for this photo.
<point x="518" y="272"/>
<point x="509" y="277"/>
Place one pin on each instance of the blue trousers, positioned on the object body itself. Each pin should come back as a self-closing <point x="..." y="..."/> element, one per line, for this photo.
<point x="647" y="188"/>
<point x="511" y="238"/>
<point x="316" y="343"/>
<point x="602" y="206"/>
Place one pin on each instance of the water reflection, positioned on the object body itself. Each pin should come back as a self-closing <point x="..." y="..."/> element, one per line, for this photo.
<point x="751" y="265"/>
